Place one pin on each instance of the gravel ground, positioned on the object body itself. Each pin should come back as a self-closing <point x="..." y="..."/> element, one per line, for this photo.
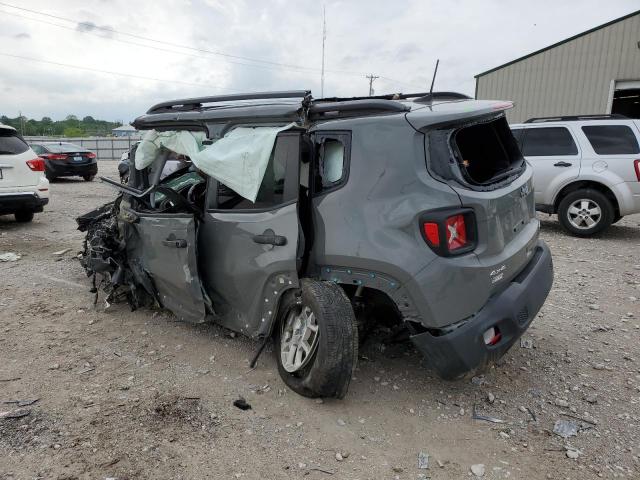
<point x="139" y="395"/>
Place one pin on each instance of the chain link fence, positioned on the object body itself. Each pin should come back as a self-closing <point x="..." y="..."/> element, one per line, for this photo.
<point x="105" y="148"/>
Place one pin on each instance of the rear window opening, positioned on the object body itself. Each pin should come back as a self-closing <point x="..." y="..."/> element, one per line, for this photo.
<point x="487" y="152"/>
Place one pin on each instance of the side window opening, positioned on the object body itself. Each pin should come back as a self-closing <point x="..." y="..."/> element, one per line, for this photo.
<point x="611" y="139"/>
<point x="548" y="141"/>
<point x="331" y="160"/>
<point x="278" y="185"/>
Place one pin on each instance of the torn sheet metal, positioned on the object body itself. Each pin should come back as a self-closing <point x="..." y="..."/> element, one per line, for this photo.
<point x="238" y="160"/>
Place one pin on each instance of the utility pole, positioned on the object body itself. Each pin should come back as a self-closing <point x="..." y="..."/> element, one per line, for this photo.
<point x="21" y="123"/>
<point x="324" y="37"/>
<point x="371" y="78"/>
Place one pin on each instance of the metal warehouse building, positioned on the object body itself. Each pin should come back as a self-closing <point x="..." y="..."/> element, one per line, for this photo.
<point x="595" y="72"/>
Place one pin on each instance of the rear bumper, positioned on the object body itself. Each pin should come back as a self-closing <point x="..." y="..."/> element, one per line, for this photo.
<point x="70" y="169"/>
<point x="14" y="202"/>
<point x="463" y="349"/>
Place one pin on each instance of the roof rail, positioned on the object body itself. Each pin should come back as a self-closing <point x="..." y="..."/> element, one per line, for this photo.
<point x="346" y="108"/>
<point x="188" y="104"/>
<point x="613" y="116"/>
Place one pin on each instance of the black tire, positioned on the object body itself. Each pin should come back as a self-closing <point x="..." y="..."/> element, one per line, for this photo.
<point x="88" y="178"/>
<point x="23" y="216"/>
<point x="617" y="218"/>
<point x="569" y="221"/>
<point x="329" y="370"/>
<point x="50" y="177"/>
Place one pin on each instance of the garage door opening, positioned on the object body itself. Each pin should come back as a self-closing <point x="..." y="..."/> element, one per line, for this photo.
<point x="626" y="102"/>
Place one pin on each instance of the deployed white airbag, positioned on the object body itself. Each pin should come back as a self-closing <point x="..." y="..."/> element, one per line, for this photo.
<point x="238" y="160"/>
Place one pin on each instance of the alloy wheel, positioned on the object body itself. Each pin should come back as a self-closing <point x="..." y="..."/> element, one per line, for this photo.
<point x="299" y="339"/>
<point x="584" y="214"/>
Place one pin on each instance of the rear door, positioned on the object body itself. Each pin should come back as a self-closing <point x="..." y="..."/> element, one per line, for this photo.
<point x="554" y="154"/>
<point x="249" y="250"/>
<point x="615" y="149"/>
<point x="14" y="154"/>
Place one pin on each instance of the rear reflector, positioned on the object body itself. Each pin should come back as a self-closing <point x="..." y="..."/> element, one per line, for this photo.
<point x="636" y="165"/>
<point x="37" y="164"/>
<point x="432" y="234"/>
<point x="492" y="336"/>
<point x="456" y="231"/>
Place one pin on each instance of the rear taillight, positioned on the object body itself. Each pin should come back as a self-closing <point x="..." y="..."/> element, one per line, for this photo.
<point x="90" y="155"/>
<point x="431" y="233"/>
<point x="55" y="156"/>
<point x="492" y="336"/>
<point x="37" y="164"/>
<point x="456" y="232"/>
<point x="636" y="165"/>
<point x="449" y="232"/>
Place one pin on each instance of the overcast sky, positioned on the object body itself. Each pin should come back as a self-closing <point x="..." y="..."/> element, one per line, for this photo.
<point x="261" y="45"/>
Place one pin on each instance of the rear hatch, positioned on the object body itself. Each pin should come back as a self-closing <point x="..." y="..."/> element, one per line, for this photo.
<point x="14" y="155"/>
<point x="475" y="153"/>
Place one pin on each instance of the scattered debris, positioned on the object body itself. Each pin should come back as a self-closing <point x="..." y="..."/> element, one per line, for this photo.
<point x="560" y="402"/>
<point x="10" y="379"/>
<point x="423" y="460"/>
<point x="478" y="469"/>
<point x="339" y="456"/>
<point x="479" y="380"/>
<point x="397" y="469"/>
<point x="485" y="418"/>
<point x="594" y="306"/>
<point x="242" y="404"/>
<point x="61" y="252"/>
<point x="582" y="419"/>
<point x="491" y="397"/>
<point x="573" y="453"/>
<point x="323" y="470"/>
<point x="341" y="422"/>
<point x="54" y="366"/>
<point x="17" y="413"/>
<point x="10" y="257"/>
<point x="526" y="343"/>
<point x="565" y="428"/>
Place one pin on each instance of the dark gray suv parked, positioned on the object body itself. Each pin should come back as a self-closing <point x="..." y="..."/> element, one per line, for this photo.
<point x="421" y="204"/>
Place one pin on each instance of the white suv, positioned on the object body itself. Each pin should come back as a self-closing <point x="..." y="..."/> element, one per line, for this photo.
<point x="23" y="188"/>
<point x="586" y="168"/>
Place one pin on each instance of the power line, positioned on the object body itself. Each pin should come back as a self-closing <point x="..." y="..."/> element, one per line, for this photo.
<point x="97" y="70"/>
<point x="110" y="31"/>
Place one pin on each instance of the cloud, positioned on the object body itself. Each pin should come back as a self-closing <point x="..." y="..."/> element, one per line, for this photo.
<point x="104" y="30"/>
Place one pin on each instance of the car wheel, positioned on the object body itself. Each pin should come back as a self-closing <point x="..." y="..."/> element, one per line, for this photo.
<point x="316" y="340"/>
<point x="23" y="216"/>
<point x="88" y="178"/>
<point x="50" y="177"/>
<point x="585" y="212"/>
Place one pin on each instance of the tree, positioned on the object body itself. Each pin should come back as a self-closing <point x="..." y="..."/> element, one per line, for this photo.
<point x="72" y="132"/>
<point x="88" y="119"/>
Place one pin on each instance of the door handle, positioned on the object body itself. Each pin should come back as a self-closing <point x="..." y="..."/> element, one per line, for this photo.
<point x="269" y="237"/>
<point x="175" y="243"/>
<point x="562" y="164"/>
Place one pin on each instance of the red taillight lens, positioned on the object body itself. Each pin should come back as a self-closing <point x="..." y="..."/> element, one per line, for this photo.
<point x="456" y="232"/>
<point x="37" y="164"/>
<point x="431" y="233"/>
<point x="492" y="336"/>
<point x="636" y="165"/>
<point x="55" y="156"/>
<point x="90" y="155"/>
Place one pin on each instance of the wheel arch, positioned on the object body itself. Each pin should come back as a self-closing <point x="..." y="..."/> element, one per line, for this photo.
<point x="587" y="184"/>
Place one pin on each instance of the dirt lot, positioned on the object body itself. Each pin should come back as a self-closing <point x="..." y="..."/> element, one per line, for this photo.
<point x="139" y="395"/>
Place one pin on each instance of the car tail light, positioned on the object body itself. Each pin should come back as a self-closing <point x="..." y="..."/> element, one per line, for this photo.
<point x="456" y="232"/>
<point x="492" y="336"/>
<point x="55" y="156"/>
<point x="449" y="231"/>
<point x="90" y="155"/>
<point x="37" y="164"/>
<point x="636" y="165"/>
<point x="431" y="233"/>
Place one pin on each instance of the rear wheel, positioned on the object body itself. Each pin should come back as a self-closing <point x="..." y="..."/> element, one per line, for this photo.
<point x="23" y="216"/>
<point x="50" y="177"/>
<point x="585" y="212"/>
<point x="88" y="178"/>
<point x="316" y="341"/>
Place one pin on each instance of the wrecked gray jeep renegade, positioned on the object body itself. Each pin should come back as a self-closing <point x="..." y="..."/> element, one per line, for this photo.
<point x="297" y="219"/>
